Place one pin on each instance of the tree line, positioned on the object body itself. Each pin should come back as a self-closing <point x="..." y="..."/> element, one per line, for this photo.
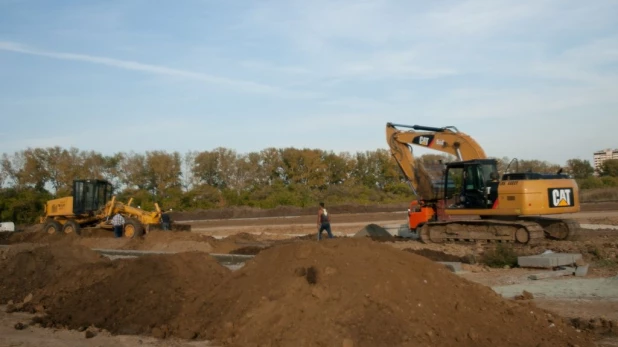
<point x="222" y="177"/>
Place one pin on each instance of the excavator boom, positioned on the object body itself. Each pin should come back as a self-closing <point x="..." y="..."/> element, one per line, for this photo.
<point x="447" y="139"/>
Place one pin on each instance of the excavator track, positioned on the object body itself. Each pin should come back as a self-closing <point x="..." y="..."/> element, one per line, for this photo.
<point x="518" y="231"/>
<point x="557" y="229"/>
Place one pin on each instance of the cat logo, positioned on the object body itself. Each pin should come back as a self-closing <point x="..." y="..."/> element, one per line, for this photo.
<point x="561" y="197"/>
<point x="423" y="140"/>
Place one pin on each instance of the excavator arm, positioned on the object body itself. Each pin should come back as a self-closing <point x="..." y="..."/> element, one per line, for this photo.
<point x="448" y="140"/>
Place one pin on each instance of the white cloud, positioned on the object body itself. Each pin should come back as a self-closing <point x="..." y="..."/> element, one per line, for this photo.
<point x="242" y="85"/>
<point x="264" y="66"/>
<point x="477" y="17"/>
<point x="523" y="104"/>
<point x="405" y="39"/>
<point x="396" y="64"/>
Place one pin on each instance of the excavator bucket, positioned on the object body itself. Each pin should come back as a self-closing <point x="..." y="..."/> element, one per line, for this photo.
<point x="374" y="231"/>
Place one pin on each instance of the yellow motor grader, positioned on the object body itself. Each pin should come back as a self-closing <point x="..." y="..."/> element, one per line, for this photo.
<point x="93" y="205"/>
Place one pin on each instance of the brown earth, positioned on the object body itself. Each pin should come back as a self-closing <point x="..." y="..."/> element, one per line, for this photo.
<point x="25" y="269"/>
<point x="141" y="296"/>
<point x="153" y="241"/>
<point x="302" y="293"/>
<point x="363" y="293"/>
<point x="77" y="288"/>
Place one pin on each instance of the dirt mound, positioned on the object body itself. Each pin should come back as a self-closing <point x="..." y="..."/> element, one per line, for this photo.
<point x="600" y="326"/>
<point x="440" y="256"/>
<point x="25" y="269"/>
<point x="362" y="293"/>
<point x="34" y="235"/>
<point x="248" y="250"/>
<point x="172" y="241"/>
<point x="153" y="241"/>
<point x="139" y="296"/>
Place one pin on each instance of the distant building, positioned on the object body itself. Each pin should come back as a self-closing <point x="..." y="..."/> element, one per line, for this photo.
<point x="601" y="156"/>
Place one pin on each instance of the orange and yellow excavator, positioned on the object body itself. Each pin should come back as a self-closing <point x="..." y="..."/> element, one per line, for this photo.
<point x="512" y="208"/>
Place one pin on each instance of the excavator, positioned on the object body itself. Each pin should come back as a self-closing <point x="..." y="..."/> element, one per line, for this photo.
<point x="513" y="208"/>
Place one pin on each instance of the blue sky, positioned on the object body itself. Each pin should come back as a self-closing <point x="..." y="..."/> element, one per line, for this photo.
<point x="527" y="79"/>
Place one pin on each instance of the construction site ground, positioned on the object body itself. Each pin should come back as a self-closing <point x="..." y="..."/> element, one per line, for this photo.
<point x="592" y="299"/>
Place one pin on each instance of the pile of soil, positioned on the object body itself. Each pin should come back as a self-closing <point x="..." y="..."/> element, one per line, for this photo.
<point x="34" y="235"/>
<point x="441" y="256"/>
<point x="28" y="268"/>
<point x="248" y="250"/>
<point x="137" y="296"/>
<point x="153" y="241"/>
<point x="600" y="326"/>
<point x="362" y="293"/>
<point x="172" y="242"/>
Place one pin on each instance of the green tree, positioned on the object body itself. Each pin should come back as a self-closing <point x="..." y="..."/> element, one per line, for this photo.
<point x="338" y="167"/>
<point x="271" y="167"/>
<point x="580" y="169"/>
<point x="436" y="158"/>
<point x="535" y="166"/>
<point x="163" y="171"/>
<point x="609" y="168"/>
<point x="34" y="172"/>
<point x="206" y="169"/>
<point x="134" y="171"/>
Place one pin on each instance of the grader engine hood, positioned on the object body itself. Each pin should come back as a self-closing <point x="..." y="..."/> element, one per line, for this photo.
<point x="145" y="217"/>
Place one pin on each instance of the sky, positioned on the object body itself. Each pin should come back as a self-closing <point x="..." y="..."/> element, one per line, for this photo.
<point x="527" y="79"/>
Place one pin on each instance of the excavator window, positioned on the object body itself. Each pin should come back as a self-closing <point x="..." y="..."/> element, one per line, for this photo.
<point x="476" y="176"/>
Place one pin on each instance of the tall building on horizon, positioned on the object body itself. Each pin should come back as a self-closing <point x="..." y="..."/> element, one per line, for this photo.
<point x="601" y="156"/>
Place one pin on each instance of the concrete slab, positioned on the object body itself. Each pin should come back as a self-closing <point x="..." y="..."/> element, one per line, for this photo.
<point x="550" y="274"/>
<point x="599" y="226"/>
<point x="548" y="260"/>
<point x="573" y="287"/>
<point x="452" y="265"/>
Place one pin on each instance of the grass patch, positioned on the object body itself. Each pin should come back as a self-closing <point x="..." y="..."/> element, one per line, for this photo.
<point x="500" y="256"/>
<point x="607" y="264"/>
<point x="598" y="194"/>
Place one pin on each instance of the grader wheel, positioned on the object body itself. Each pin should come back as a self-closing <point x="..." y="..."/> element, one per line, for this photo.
<point x="71" y="227"/>
<point x="133" y="229"/>
<point x="52" y="227"/>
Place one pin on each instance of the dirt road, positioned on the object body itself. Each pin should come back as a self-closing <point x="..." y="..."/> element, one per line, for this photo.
<point x="343" y="224"/>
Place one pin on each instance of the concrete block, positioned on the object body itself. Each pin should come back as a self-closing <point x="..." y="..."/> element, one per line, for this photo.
<point x="454" y="266"/>
<point x="581" y="271"/>
<point x="548" y="260"/>
<point x="550" y="274"/>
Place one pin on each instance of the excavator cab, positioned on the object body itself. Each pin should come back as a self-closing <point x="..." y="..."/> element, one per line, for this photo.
<point x="90" y="195"/>
<point x="476" y="184"/>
